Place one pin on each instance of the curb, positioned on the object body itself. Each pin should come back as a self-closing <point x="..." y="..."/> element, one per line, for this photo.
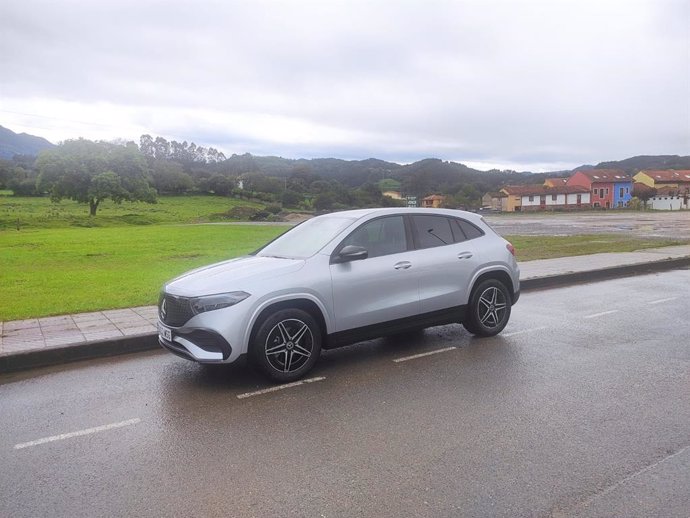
<point x="567" y="279"/>
<point x="13" y="362"/>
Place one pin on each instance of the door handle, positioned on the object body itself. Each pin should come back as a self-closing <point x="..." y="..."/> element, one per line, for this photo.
<point x="402" y="265"/>
<point x="464" y="255"/>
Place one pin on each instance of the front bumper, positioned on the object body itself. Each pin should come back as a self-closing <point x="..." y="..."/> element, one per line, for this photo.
<point x="195" y="344"/>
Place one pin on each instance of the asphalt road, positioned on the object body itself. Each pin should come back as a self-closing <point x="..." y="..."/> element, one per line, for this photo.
<point x="666" y="224"/>
<point x="580" y="408"/>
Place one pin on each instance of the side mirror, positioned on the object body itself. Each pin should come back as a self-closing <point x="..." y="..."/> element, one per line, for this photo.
<point x="351" y="253"/>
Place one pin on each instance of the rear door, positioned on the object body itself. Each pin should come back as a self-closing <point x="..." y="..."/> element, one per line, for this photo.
<point x="446" y="258"/>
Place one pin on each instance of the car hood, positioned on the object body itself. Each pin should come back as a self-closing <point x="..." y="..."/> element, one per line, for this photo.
<point x="233" y="275"/>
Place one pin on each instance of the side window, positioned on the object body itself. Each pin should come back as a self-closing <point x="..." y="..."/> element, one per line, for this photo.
<point x="432" y="231"/>
<point x="468" y="229"/>
<point x="382" y="236"/>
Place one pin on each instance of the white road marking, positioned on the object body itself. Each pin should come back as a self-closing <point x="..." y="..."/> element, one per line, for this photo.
<point x="421" y="355"/>
<point x="78" y="433"/>
<point x="595" y="315"/>
<point x="280" y="387"/>
<point x="661" y="300"/>
<point x="523" y="331"/>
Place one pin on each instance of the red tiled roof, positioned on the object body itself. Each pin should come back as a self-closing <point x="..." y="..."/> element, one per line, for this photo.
<point x="556" y="180"/>
<point x="669" y="175"/>
<point x="539" y="189"/>
<point x="606" y="175"/>
<point x="435" y="197"/>
<point x="671" y="191"/>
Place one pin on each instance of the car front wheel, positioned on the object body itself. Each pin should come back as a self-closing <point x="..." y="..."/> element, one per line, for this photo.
<point x="489" y="308"/>
<point x="287" y="344"/>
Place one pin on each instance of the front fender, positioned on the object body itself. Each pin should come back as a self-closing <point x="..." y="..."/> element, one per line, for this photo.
<point x="286" y="297"/>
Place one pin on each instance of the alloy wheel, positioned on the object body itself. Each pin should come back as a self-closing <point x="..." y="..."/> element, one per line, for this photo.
<point x="289" y="345"/>
<point x="491" y="307"/>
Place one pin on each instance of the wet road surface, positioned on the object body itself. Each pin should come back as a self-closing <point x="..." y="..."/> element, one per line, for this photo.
<point x="580" y="408"/>
<point x="662" y="224"/>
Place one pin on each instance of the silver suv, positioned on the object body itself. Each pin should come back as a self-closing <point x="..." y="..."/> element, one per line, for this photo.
<point x="338" y="279"/>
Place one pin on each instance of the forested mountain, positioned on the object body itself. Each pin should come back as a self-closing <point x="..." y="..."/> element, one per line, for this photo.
<point x="173" y="167"/>
<point x="12" y="143"/>
<point x="639" y="163"/>
<point x="428" y="174"/>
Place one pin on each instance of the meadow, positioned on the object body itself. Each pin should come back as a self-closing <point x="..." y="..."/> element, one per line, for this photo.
<point x="61" y="261"/>
<point x="70" y="270"/>
<point x="39" y="212"/>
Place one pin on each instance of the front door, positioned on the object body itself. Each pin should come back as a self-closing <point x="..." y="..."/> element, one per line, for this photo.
<point x="382" y="287"/>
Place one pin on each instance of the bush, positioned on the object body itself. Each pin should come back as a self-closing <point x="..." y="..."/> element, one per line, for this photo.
<point x="292" y="198"/>
<point x="23" y="187"/>
<point x="241" y="212"/>
<point x="260" y="215"/>
<point x="273" y="208"/>
<point x="266" y="197"/>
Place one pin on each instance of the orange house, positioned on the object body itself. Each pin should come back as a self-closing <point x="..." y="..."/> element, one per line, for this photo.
<point x="433" y="202"/>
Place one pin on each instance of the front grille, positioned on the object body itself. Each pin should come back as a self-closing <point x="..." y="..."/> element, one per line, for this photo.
<point x="174" y="311"/>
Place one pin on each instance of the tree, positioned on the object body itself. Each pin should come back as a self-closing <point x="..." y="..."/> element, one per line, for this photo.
<point x="169" y="177"/>
<point x="643" y="192"/>
<point x="6" y="172"/>
<point x="325" y="201"/>
<point x="221" y="184"/>
<point x="90" y="172"/>
<point x="292" y="198"/>
<point x="181" y="152"/>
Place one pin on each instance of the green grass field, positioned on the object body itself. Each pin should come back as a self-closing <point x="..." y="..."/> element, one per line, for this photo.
<point x="530" y="248"/>
<point x="58" y="271"/>
<point x="32" y="213"/>
<point x="61" y="261"/>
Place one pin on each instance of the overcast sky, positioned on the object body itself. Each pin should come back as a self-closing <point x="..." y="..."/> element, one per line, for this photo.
<point x="526" y="85"/>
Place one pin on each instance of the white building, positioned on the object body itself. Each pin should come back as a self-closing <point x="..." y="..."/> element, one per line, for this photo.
<point x="668" y="198"/>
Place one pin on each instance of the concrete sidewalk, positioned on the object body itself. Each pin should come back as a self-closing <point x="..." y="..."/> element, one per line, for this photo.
<point x="53" y="340"/>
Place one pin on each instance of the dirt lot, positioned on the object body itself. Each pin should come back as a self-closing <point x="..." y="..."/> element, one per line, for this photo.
<point x="642" y="224"/>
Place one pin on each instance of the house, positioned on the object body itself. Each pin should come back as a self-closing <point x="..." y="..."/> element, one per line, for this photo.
<point x="434" y="201"/>
<point x="542" y="197"/>
<point x="668" y="178"/>
<point x="670" y="198"/>
<point x="496" y="201"/>
<point x="393" y="194"/>
<point x="609" y="188"/>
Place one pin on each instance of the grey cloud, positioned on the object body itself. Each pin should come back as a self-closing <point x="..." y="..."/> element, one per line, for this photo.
<point x="522" y="82"/>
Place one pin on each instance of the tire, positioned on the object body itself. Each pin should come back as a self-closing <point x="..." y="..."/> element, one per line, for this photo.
<point x="287" y="345"/>
<point x="489" y="309"/>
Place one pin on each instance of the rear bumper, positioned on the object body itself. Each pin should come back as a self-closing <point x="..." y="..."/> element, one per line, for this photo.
<point x="516" y="296"/>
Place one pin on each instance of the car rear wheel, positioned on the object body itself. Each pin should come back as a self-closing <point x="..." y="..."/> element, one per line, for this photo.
<point x="489" y="309"/>
<point x="287" y="344"/>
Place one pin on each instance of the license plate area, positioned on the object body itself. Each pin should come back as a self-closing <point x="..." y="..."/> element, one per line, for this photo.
<point x="164" y="333"/>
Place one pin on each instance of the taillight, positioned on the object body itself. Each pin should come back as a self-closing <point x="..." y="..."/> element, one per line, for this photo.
<point x="510" y="248"/>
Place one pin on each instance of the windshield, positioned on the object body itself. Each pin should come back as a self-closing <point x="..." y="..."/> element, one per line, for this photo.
<point x="306" y="239"/>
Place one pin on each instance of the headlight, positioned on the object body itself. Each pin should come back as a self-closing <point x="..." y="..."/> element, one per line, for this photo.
<point x="219" y="301"/>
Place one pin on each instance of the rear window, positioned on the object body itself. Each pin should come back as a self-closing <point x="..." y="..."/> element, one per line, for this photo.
<point x="469" y="230"/>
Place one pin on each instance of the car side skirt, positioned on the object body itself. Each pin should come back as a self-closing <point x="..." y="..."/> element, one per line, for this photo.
<point x="454" y="315"/>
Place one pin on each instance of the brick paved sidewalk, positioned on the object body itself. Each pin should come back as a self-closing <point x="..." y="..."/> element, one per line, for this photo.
<point x="36" y="333"/>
